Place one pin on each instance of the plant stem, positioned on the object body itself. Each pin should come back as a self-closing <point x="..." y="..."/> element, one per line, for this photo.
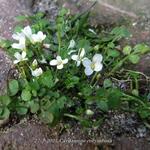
<point x="95" y="75"/>
<point x="134" y="98"/>
<point x="119" y="64"/>
<point x="73" y="116"/>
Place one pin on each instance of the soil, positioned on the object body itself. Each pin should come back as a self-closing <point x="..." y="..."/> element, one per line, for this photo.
<point x="120" y="130"/>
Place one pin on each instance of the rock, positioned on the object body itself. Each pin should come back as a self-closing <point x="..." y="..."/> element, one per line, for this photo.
<point x="7" y="18"/>
<point x="7" y="24"/>
<point x="9" y="9"/>
<point x="125" y="143"/>
<point x="5" y="65"/>
<point x="32" y="135"/>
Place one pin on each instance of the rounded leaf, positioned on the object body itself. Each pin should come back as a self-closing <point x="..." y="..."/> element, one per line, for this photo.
<point x="26" y="95"/>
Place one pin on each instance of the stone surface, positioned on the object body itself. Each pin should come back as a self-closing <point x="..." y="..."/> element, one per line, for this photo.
<point x="9" y="9"/>
<point x="5" y="65"/>
<point x="33" y="135"/>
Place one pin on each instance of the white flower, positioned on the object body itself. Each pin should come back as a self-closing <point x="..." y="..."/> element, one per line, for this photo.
<point x="39" y="37"/>
<point x="80" y="57"/>
<point x="72" y="44"/>
<point x="17" y="36"/>
<point x="21" y="45"/>
<point x="27" y="31"/>
<point x="37" y="72"/>
<point x="58" y="62"/>
<point x="94" y="65"/>
<point x="20" y="57"/>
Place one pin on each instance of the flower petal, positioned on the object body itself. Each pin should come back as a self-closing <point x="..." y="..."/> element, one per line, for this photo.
<point x="16" y="46"/>
<point x="34" y="38"/>
<point x="17" y="56"/>
<point x="24" y="54"/>
<point x="53" y="62"/>
<point x="37" y="72"/>
<point x="60" y="66"/>
<point x="17" y="36"/>
<point x="72" y="44"/>
<point x="86" y="62"/>
<point x="97" y="58"/>
<point x="78" y="63"/>
<point x="74" y="57"/>
<point x="88" y="71"/>
<point x="58" y="58"/>
<point x="65" y="61"/>
<point x="98" y="67"/>
<point x="27" y="31"/>
<point x="16" y="61"/>
<point x="41" y="36"/>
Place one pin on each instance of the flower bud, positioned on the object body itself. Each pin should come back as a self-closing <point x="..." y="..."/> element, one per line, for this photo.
<point x="89" y="112"/>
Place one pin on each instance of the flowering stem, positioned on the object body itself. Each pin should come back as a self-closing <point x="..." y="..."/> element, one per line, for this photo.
<point x="95" y="75"/>
<point x="97" y="79"/>
<point x="21" y="70"/>
<point x="59" y="37"/>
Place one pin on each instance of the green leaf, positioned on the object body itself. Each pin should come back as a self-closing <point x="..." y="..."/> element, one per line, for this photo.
<point x="127" y="50"/>
<point x="102" y="93"/>
<point x="46" y="117"/>
<point x="86" y="90"/>
<point x="35" y="85"/>
<point x="39" y="15"/>
<point x="26" y="95"/>
<point x="21" y="18"/>
<point x="5" y="113"/>
<point x="61" y="102"/>
<point x="141" y="48"/>
<point x="46" y="79"/>
<point x="114" y="99"/>
<point x="134" y="58"/>
<point x="111" y="45"/>
<point x="71" y="81"/>
<point x="144" y="113"/>
<point x="107" y="83"/>
<point x="4" y="43"/>
<point x="113" y="53"/>
<point x="5" y="100"/>
<point x="34" y="106"/>
<point x="34" y="93"/>
<point x="22" y="110"/>
<point x="84" y="44"/>
<point x="13" y="87"/>
<point x="102" y="105"/>
<point x="18" y="28"/>
<point x="121" y="32"/>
